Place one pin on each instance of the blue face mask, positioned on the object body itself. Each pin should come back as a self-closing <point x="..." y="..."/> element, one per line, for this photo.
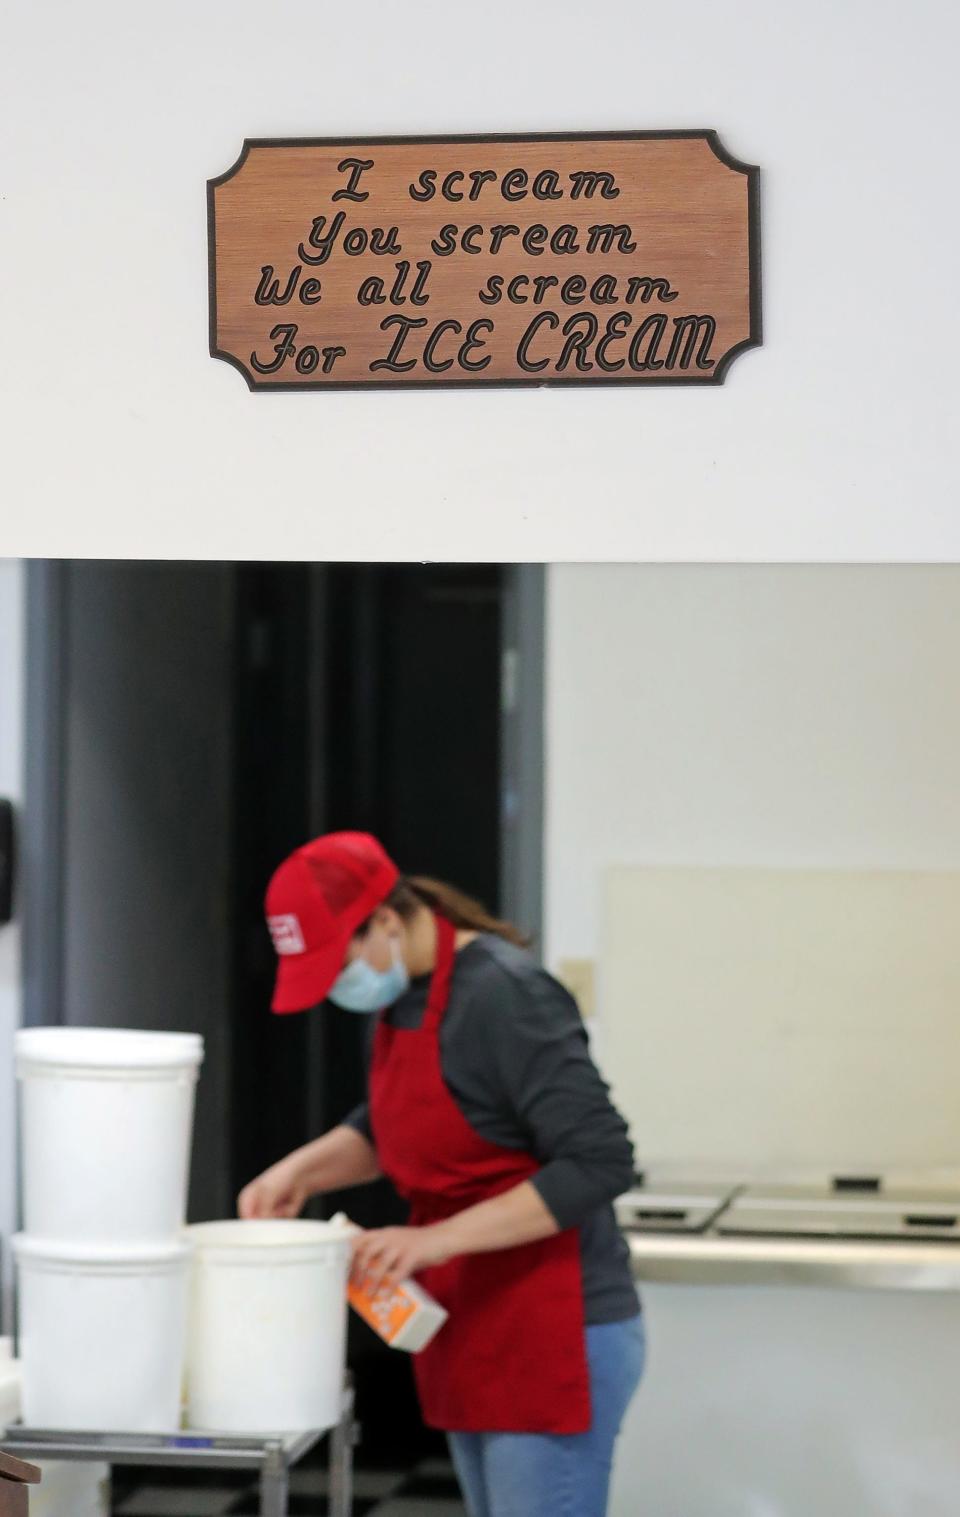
<point x="362" y="988"/>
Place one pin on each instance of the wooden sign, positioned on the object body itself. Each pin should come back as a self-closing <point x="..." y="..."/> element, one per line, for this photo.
<point x="627" y="258"/>
<point x="15" y="1476"/>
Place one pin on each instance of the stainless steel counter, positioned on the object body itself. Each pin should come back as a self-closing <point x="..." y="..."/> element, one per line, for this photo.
<point x="705" y="1259"/>
<point x="827" y="1303"/>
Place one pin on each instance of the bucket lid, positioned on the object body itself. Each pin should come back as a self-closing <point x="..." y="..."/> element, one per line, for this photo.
<point x="274" y="1233"/>
<point x="107" y="1048"/>
<point x="57" y="1251"/>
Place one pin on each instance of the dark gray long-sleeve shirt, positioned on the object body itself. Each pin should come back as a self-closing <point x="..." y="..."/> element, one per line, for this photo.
<point x="516" y="1059"/>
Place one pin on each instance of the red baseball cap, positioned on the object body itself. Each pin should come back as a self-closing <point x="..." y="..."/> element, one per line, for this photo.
<point x="315" y="901"/>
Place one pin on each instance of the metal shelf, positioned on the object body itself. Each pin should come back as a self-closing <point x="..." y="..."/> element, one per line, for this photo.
<point x="272" y="1455"/>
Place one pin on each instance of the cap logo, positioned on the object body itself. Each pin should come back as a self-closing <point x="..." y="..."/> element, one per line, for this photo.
<point x="286" y="934"/>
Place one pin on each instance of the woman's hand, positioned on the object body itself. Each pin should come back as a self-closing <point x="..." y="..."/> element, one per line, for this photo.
<point x="386" y="1255"/>
<point x="279" y="1192"/>
<point x="341" y="1158"/>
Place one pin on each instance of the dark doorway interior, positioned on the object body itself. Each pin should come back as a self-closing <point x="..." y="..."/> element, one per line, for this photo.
<point x="364" y="697"/>
<point x="192" y="724"/>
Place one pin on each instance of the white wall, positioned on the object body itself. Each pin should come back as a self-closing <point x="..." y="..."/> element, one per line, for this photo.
<point x="774" y="1021"/>
<point x="774" y="717"/>
<point x="12" y="649"/>
<point x="767" y="716"/>
<point x="836" y="439"/>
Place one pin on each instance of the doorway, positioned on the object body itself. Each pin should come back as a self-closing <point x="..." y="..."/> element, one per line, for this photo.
<point x="364" y="697"/>
<point x="378" y="698"/>
<point x="190" y="725"/>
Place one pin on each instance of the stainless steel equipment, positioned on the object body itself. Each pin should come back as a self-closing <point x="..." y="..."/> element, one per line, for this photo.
<point x="665" y="1206"/>
<point x="846" y="1208"/>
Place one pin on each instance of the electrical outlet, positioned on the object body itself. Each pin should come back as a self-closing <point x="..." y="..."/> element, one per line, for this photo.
<point x="578" y="977"/>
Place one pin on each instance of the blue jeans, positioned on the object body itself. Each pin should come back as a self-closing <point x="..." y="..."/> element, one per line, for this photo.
<point x="557" y="1474"/>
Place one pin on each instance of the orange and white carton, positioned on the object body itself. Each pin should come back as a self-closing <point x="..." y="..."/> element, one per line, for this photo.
<point x="404" y="1315"/>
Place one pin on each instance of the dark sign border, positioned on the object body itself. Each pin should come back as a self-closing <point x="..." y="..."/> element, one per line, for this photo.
<point x="710" y="136"/>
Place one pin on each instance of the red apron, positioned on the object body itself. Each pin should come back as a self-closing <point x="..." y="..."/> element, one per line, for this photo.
<point x="512" y="1356"/>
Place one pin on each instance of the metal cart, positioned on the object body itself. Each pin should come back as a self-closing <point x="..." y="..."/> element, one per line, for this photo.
<point x="272" y="1456"/>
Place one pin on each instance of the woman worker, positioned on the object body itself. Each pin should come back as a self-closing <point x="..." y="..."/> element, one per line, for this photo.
<point x="487" y="1113"/>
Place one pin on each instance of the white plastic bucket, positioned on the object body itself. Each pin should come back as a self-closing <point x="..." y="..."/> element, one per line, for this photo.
<point x="267" y="1335"/>
<point x="106" y="1117"/>
<point x="102" y="1334"/>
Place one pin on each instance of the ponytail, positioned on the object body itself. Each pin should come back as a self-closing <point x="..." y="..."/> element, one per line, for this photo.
<point x="460" y="909"/>
<point x="412" y="892"/>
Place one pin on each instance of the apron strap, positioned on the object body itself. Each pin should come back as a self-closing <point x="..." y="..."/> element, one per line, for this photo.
<point x="440" y="979"/>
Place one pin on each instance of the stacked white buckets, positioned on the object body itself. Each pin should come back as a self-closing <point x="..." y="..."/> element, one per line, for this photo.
<point x="103" y="1264"/>
<point x="110" y="1278"/>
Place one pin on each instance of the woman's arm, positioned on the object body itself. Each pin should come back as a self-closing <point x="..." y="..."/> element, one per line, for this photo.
<point x="516" y="1216"/>
<point x="389" y="1254"/>
<point x="341" y="1158"/>
<point x="543" y="1075"/>
<point x="533" y="1066"/>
